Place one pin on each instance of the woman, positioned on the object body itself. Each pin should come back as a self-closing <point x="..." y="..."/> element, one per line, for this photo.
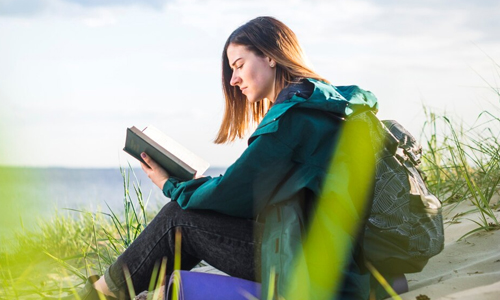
<point x="254" y="216"/>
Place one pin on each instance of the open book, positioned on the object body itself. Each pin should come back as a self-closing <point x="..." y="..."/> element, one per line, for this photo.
<point x="178" y="161"/>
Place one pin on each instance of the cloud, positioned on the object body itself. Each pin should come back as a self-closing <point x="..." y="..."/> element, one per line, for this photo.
<point x="28" y="8"/>
<point x="100" y="18"/>
<point x="21" y="7"/>
<point x="473" y="20"/>
<point x="158" y="4"/>
<point x="478" y="21"/>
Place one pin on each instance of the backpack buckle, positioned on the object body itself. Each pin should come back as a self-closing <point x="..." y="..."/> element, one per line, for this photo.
<point x="415" y="159"/>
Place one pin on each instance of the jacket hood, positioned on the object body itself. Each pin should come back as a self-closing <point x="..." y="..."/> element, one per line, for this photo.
<point x="340" y="100"/>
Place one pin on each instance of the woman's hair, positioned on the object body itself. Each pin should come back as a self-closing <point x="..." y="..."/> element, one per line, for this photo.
<point x="264" y="36"/>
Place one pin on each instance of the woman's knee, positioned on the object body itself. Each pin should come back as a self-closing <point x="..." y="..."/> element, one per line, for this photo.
<point x="172" y="214"/>
<point x="171" y="208"/>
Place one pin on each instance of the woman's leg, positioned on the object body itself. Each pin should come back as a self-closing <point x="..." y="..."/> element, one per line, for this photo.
<point x="230" y="244"/>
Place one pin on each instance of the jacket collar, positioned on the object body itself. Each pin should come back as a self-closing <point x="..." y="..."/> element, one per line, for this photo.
<point x="342" y="101"/>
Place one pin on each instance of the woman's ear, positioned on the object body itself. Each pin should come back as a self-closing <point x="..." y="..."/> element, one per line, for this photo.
<point x="272" y="62"/>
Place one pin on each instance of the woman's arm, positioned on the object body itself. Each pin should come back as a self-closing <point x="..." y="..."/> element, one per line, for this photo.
<point x="247" y="185"/>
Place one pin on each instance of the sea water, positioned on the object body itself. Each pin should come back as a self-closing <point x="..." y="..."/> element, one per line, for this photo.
<point x="31" y="194"/>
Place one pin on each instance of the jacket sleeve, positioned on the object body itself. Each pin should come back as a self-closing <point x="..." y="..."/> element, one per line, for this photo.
<point x="247" y="185"/>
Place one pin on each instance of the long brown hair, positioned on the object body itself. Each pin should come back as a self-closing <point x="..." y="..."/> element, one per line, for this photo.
<point x="264" y="36"/>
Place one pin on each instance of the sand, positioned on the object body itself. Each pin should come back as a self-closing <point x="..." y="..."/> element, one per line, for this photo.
<point x="466" y="269"/>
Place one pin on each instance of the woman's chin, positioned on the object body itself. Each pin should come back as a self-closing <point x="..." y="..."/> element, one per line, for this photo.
<point x="253" y="100"/>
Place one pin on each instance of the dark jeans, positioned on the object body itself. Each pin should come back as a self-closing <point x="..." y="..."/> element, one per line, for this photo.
<point x="229" y="244"/>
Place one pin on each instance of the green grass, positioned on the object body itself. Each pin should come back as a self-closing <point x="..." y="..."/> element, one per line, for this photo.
<point x="463" y="164"/>
<point x="62" y="252"/>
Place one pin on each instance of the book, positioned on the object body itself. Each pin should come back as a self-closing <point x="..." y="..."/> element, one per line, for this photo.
<point x="177" y="160"/>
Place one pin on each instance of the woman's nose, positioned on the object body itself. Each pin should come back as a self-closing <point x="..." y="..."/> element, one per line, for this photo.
<point x="235" y="79"/>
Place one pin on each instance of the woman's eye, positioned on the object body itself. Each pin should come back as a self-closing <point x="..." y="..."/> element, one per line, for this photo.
<point x="239" y="67"/>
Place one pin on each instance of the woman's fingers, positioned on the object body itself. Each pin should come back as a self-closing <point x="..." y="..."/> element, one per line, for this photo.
<point x="145" y="167"/>
<point x="154" y="171"/>
<point x="148" y="160"/>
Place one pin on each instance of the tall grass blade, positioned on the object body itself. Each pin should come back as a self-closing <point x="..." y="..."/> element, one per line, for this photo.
<point x="68" y="267"/>
<point x="387" y="287"/>
<point x="128" y="280"/>
<point x="178" y="243"/>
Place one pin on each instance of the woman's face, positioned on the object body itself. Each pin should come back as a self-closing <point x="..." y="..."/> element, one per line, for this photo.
<point x="253" y="74"/>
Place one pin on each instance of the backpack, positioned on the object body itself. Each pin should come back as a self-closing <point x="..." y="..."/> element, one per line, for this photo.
<point x="405" y="225"/>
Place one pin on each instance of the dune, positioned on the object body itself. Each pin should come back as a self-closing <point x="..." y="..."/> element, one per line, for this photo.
<point x="467" y="268"/>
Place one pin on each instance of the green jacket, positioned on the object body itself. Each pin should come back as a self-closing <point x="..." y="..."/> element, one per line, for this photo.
<point x="288" y="154"/>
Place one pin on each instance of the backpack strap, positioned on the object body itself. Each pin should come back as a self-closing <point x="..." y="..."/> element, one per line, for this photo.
<point x="378" y="130"/>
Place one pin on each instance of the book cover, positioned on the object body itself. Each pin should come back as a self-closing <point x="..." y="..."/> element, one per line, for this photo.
<point x="177" y="160"/>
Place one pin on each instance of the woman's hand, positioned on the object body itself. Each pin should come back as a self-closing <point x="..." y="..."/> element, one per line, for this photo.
<point x="157" y="174"/>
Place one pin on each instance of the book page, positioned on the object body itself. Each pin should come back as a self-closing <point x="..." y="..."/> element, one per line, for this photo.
<point x="181" y="152"/>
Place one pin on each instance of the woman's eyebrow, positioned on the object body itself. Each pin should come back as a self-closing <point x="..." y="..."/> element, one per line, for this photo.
<point x="234" y="62"/>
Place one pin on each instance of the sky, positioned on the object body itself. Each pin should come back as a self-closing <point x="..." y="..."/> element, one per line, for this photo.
<point x="74" y="74"/>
